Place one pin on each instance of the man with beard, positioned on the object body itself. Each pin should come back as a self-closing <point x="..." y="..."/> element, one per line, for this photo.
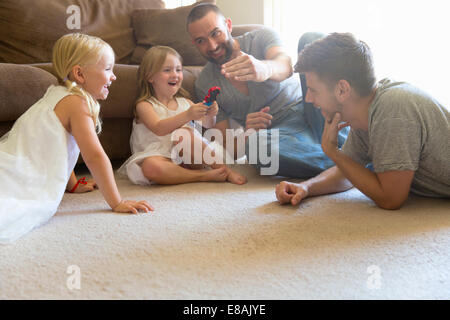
<point x="259" y="91"/>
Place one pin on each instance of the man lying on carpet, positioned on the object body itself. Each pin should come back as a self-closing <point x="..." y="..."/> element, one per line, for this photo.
<point x="400" y="132"/>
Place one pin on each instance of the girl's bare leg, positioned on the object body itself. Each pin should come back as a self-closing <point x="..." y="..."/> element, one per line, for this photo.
<point x="232" y="176"/>
<point x="163" y="171"/>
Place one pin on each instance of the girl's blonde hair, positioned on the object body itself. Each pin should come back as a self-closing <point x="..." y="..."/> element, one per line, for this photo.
<point x="79" y="49"/>
<point x="153" y="62"/>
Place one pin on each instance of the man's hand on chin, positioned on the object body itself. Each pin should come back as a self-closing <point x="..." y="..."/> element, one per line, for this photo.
<point x="330" y="134"/>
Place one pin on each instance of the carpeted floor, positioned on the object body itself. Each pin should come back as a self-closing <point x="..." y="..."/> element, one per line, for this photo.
<point x="222" y="241"/>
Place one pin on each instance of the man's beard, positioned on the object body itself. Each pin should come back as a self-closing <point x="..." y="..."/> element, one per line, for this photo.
<point x="228" y="46"/>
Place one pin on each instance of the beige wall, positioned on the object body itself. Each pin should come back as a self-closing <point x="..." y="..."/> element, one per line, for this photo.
<point x="243" y="11"/>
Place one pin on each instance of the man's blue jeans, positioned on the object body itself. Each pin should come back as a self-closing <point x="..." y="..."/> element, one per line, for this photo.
<point x="300" y="135"/>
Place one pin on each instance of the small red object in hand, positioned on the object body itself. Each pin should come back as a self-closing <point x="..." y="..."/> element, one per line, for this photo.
<point x="82" y="181"/>
<point x="213" y="92"/>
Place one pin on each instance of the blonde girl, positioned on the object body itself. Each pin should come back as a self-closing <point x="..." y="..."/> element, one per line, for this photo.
<point x="38" y="155"/>
<point x="162" y="111"/>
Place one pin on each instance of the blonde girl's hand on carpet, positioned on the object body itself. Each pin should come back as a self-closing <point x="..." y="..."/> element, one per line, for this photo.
<point x="132" y="206"/>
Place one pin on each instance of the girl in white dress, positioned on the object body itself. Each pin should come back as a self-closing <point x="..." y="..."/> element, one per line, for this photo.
<point x="39" y="153"/>
<point x="163" y="119"/>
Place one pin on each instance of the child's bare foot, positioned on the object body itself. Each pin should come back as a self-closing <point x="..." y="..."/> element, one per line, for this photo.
<point x="218" y="175"/>
<point x="235" y="177"/>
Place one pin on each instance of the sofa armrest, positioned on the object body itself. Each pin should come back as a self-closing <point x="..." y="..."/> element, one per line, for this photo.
<point x="20" y="87"/>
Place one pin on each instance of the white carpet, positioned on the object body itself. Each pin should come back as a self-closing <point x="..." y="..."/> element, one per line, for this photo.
<point x="222" y="241"/>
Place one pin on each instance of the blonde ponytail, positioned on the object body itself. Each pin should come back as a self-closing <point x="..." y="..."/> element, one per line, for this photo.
<point x="93" y="105"/>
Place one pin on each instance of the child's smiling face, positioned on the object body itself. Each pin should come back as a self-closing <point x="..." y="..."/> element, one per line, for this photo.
<point x="98" y="77"/>
<point x="168" y="80"/>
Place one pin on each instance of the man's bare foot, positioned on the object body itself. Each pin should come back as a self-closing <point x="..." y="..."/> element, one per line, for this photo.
<point x="235" y="177"/>
<point x="218" y="175"/>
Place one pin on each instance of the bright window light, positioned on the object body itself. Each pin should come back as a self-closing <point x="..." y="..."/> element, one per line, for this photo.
<point x="177" y="3"/>
<point x="409" y="38"/>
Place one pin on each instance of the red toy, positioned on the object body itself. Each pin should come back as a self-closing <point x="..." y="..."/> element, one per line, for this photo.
<point x="213" y="92"/>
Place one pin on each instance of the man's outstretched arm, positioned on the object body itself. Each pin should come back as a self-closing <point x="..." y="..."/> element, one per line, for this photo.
<point x="329" y="181"/>
<point x="277" y="66"/>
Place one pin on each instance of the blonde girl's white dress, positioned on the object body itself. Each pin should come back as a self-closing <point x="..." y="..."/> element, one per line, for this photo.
<point x="144" y="143"/>
<point x="37" y="157"/>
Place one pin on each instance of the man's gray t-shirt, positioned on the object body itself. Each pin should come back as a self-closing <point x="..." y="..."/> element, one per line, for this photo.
<point x="234" y="104"/>
<point x="408" y="130"/>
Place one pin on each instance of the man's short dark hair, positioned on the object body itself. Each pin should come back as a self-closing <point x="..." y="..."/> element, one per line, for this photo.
<point x="201" y="10"/>
<point x="340" y="56"/>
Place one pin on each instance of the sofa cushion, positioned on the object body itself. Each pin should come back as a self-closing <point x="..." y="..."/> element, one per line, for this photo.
<point x="29" y="29"/>
<point x="166" y="27"/>
<point x="125" y="90"/>
<point x="20" y="87"/>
